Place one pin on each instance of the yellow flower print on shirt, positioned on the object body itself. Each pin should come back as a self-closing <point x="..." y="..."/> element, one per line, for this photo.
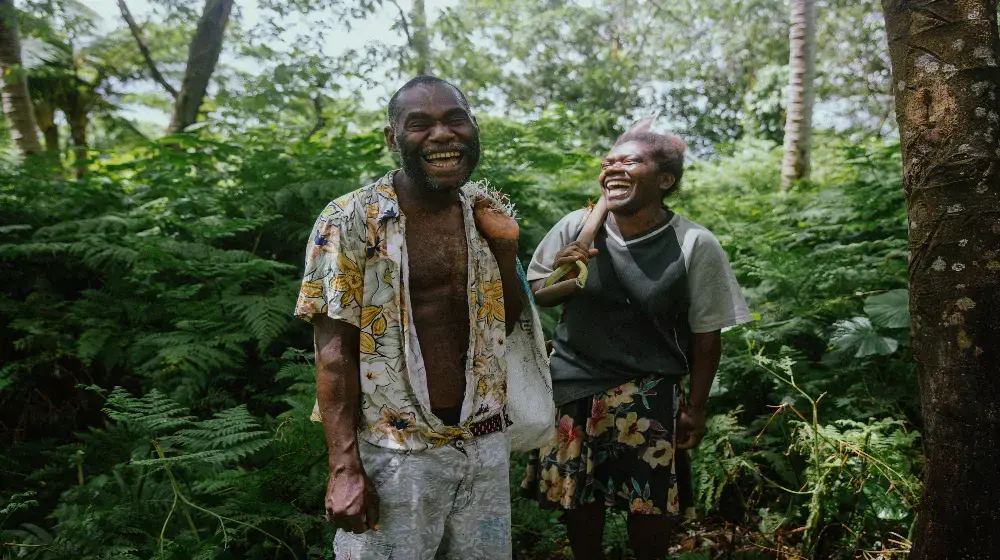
<point x="373" y="325"/>
<point x="312" y="289"/>
<point x="492" y="308"/>
<point x="630" y="429"/>
<point x="350" y="281"/>
<point x="354" y="271"/>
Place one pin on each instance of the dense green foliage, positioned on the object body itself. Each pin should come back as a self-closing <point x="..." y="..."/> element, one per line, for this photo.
<point x="171" y="274"/>
<point x="155" y="388"/>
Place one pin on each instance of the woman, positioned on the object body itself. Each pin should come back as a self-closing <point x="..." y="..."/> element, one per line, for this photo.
<point x="658" y="292"/>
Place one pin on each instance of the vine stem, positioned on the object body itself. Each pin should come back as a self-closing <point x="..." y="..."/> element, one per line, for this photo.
<point x="178" y="495"/>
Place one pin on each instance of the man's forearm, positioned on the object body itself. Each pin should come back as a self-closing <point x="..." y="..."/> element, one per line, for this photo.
<point x="706" y="351"/>
<point x="338" y="392"/>
<point x="338" y="395"/>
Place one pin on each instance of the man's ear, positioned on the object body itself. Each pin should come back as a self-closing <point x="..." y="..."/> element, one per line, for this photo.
<point x="474" y="121"/>
<point x="390" y="138"/>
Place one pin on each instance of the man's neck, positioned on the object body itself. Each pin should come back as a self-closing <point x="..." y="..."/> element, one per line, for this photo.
<point x="642" y="221"/>
<point x="422" y="198"/>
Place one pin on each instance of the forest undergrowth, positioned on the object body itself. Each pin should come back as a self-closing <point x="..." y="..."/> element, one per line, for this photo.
<point x="155" y="388"/>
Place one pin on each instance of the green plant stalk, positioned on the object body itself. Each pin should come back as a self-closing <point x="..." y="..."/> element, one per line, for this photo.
<point x="222" y="519"/>
<point x="177" y="493"/>
<point x="815" y="411"/>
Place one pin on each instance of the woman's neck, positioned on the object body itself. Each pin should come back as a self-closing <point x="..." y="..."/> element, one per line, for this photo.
<point x="642" y="221"/>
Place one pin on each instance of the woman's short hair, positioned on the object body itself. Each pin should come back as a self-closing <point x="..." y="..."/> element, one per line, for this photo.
<point x="665" y="149"/>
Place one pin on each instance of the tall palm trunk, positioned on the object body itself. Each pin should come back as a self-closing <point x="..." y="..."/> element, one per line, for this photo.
<point x="203" y="55"/>
<point x="798" y="119"/>
<point x="946" y="78"/>
<point x="16" y="101"/>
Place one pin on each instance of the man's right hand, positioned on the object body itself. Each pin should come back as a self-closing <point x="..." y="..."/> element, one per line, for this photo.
<point x="575" y="251"/>
<point x="351" y="501"/>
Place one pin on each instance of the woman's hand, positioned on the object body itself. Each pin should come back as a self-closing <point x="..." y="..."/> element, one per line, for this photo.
<point x="574" y="252"/>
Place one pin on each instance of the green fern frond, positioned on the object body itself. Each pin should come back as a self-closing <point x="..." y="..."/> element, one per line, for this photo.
<point x="193" y="357"/>
<point x="229" y="436"/>
<point x="266" y="317"/>
<point x="29" y="250"/>
<point x="154" y="412"/>
<point x="297" y="372"/>
<point x="119" y="552"/>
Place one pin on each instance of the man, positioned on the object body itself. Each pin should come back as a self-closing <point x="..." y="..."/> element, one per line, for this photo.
<point x="412" y="285"/>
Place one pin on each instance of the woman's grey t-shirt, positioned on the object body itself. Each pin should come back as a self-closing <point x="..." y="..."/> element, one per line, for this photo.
<point x="643" y="299"/>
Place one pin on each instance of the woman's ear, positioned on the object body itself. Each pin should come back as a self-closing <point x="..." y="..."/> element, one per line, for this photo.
<point x="667" y="182"/>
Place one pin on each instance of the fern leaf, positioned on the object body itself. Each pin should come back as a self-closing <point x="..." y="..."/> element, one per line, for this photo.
<point x="154" y="412"/>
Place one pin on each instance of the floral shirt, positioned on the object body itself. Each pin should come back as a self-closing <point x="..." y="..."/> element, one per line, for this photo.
<point x="356" y="272"/>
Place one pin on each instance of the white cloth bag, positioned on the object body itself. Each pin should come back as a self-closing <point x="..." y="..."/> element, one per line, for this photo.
<point x="529" y="385"/>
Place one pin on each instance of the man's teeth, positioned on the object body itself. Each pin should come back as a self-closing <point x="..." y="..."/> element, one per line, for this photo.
<point x="617" y="184"/>
<point x="442" y="155"/>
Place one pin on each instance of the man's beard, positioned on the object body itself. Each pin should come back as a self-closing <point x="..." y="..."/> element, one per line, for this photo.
<point x="413" y="160"/>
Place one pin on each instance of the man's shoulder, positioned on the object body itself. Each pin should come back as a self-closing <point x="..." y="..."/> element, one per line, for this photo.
<point x="354" y="204"/>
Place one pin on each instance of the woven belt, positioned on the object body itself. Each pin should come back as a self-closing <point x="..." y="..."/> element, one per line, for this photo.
<point x="495" y="423"/>
<point x="458" y="436"/>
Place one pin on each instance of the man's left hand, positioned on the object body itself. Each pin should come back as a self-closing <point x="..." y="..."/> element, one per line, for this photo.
<point x="690" y="427"/>
<point x="499" y="229"/>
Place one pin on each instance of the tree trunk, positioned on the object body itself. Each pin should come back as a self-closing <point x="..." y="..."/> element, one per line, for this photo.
<point x="77" y="112"/>
<point x="203" y="55"/>
<point x="798" y="118"/>
<point x="421" y="41"/>
<point x="16" y="101"/>
<point x="944" y="62"/>
<point x="45" y="116"/>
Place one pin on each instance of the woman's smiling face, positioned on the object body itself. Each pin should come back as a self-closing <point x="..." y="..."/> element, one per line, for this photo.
<point x="631" y="179"/>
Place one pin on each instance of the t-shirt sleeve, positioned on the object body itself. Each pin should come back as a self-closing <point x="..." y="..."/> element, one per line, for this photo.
<point x="333" y="280"/>
<point x="716" y="301"/>
<point x="558" y="237"/>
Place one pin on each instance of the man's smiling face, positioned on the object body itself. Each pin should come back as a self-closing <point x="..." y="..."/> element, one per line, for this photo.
<point x="436" y="137"/>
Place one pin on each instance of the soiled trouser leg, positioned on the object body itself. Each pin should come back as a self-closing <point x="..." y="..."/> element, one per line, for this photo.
<point x="450" y="502"/>
<point x="585" y="526"/>
<point x="649" y="535"/>
<point x="478" y="524"/>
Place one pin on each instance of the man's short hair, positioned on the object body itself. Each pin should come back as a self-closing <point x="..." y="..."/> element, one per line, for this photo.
<point x="393" y="112"/>
<point x="666" y="150"/>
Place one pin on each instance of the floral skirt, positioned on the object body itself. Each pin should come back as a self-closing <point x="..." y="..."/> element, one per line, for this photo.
<point x="614" y="448"/>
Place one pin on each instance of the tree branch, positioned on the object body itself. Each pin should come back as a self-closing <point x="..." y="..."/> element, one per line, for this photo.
<point x="318" y="106"/>
<point x="144" y="49"/>
<point x="403" y="22"/>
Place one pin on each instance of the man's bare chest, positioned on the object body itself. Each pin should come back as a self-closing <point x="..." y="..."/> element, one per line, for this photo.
<point x="437" y="259"/>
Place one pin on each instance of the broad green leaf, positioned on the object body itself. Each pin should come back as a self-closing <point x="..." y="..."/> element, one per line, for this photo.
<point x="858" y="335"/>
<point x="890" y="310"/>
